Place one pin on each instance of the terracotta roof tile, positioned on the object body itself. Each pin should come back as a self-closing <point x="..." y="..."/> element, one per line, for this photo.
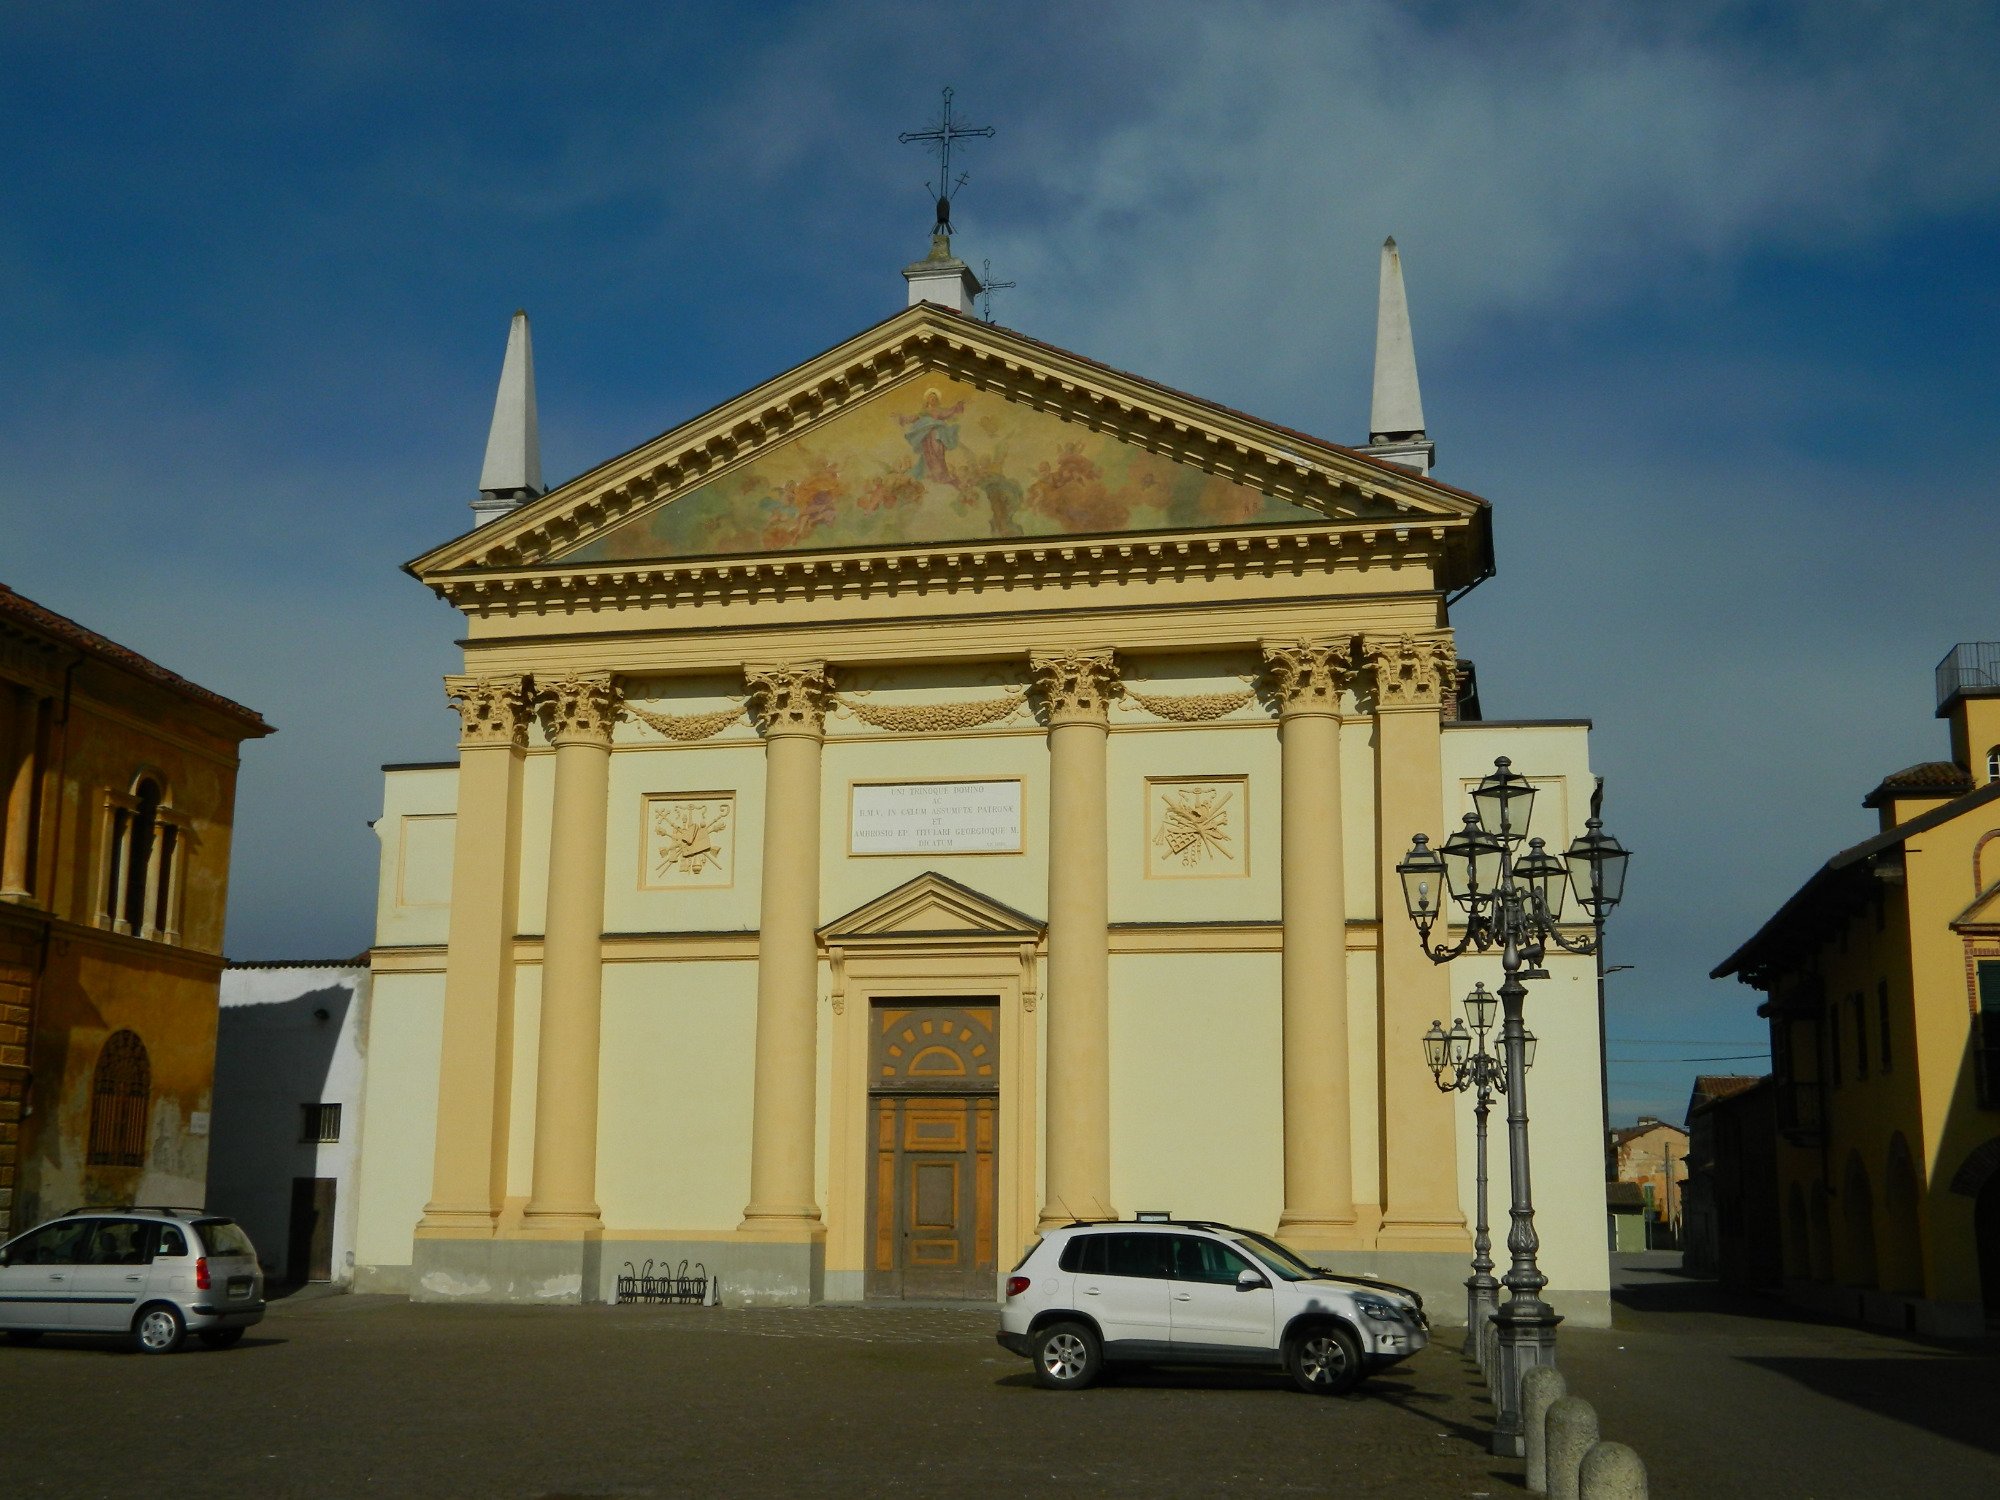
<point x="1941" y="778"/>
<point x="24" y="613"/>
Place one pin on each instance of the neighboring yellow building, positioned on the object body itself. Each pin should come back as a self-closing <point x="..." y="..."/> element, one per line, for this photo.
<point x="1883" y="981"/>
<point x="1654" y="1155"/>
<point x="947" y="790"/>
<point x="118" y="783"/>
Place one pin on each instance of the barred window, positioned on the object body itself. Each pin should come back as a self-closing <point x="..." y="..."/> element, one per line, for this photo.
<point x="319" y="1124"/>
<point x="120" y="1093"/>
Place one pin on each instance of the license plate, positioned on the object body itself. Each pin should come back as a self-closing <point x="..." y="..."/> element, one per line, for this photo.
<point x="239" y="1286"/>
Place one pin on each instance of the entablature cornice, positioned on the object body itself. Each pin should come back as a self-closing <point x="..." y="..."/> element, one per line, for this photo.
<point x="1331" y="481"/>
<point x="949" y="572"/>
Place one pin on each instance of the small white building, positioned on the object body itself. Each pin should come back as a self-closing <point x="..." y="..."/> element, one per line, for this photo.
<point x="286" y="1150"/>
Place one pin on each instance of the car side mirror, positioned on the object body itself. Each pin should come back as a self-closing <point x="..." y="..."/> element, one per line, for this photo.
<point x="1250" y="1281"/>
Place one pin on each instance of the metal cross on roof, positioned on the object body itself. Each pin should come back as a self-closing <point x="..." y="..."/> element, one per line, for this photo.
<point x="988" y="286"/>
<point x="947" y="131"/>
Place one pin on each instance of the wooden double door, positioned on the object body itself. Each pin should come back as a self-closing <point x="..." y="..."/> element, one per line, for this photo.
<point x="933" y="1109"/>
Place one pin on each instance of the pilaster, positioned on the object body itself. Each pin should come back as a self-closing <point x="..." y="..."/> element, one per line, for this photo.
<point x="1411" y="676"/>
<point x="469" y="1164"/>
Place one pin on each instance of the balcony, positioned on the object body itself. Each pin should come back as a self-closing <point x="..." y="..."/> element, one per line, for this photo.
<point x="1971" y="667"/>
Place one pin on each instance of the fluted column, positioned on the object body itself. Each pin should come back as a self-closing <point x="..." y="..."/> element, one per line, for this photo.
<point x="1411" y="676"/>
<point x="789" y="702"/>
<point x="577" y="713"/>
<point x="17" y="792"/>
<point x="1319" y="1153"/>
<point x="1076" y="689"/>
<point x="475" y="1073"/>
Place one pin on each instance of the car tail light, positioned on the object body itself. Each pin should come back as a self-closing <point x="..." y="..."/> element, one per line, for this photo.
<point x="201" y="1274"/>
<point x="1016" y="1285"/>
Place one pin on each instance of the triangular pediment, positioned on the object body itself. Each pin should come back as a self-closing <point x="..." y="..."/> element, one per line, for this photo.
<point x="1983" y="915"/>
<point x="936" y="430"/>
<point x="932" y="906"/>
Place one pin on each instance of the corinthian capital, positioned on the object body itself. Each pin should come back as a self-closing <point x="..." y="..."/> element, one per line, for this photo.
<point x="577" y="710"/>
<point x="1308" y="676"/>
<point x="789" y="697"/>
<point x="1417" y="669"/>
<point x="491" y="710"/>
<point x="1076" y="687"/>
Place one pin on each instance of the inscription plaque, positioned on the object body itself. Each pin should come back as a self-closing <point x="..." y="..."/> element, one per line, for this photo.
<point x="935" y="817"/>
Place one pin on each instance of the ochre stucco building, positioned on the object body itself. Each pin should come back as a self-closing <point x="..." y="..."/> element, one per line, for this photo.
<point x="119" y="786"/>
<point x="1882" y="983"/>
<point x="952" y="788"/>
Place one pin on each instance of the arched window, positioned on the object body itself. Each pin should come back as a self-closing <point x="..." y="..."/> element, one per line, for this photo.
<point x="142" y="878"/>
<point x="119" y="1095"/>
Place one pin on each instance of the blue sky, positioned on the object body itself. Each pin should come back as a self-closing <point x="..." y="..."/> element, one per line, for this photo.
<point x="1705" y="303"/>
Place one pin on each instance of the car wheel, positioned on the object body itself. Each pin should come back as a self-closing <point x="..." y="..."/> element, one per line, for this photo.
<point x="1067" y="1356"/>
<point x="221" y="1338"/>
<point x="1324" y="1360"/>
<point x="24" y="1335"/>
<point x="160" y="1329"/>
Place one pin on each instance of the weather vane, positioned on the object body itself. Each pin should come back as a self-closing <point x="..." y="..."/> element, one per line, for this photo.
<point x="988" y="286"/>
<point x="947" y="131"/>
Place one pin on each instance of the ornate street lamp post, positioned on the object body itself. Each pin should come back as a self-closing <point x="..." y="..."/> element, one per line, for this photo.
<point x="1458" y="1061"/>
<point x="1514" y="902"/>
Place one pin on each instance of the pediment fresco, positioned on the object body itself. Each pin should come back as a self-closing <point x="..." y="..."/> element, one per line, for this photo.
<point x="935" y="460"/>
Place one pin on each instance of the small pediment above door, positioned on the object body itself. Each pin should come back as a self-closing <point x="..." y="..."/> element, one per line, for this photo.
<point x="1983" y="916"/>
<point x="932" y="906"/>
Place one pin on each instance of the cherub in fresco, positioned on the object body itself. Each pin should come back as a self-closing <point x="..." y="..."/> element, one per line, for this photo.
<point x="894" y="491"/>
<point x="932" y="433"/>
<point x="1072" y="493"/>
<point x="799" y="508"/>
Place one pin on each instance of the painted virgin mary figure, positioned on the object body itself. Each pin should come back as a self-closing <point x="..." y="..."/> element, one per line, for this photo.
<point x="932" y="433"/>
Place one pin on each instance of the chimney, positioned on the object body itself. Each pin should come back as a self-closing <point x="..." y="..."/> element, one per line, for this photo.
<point x="942" y="278"/>
<point x="1396" y="416"/>
<point x="512" y="473"/>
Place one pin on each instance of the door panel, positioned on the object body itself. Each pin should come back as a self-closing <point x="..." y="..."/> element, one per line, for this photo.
<point x="36" y="1284"/>
<point x="105" y="1291"/>
<point x="1207" y="1305"/>
<point x="1129" y="1298"/>
<point x="932" y="1188"/>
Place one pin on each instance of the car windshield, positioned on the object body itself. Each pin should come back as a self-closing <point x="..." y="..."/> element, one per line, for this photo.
<point x="223" y="1237"/>
<point x="1287" y="1265"/>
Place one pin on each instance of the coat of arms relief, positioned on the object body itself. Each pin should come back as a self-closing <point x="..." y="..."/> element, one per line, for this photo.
<point x="689" y="840"/>
<point x="1197" y="827"/>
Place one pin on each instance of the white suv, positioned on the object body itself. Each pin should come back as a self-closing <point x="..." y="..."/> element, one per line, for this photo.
<point x="1199" y="1293"/>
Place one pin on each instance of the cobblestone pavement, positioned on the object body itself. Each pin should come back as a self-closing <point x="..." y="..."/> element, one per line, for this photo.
<point x="1731" y="1394"/>
<point x="354" y="1396"/>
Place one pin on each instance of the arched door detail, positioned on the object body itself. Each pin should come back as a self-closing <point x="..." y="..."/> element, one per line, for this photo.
<point x="121" y="1091"/>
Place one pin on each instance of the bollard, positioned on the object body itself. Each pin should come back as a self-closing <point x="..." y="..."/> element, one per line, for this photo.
<point x="1541" y="1387"/>
<point x="1572" y="1433"/>
<point x="1612" y="1471"/>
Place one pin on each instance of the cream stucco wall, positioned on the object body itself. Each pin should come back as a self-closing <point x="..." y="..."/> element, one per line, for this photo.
<point x="399" y="1122"/>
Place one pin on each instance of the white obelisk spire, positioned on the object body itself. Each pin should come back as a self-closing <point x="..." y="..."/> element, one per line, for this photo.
<point x="1396" y="417"/>
<point x="512" y="473"/>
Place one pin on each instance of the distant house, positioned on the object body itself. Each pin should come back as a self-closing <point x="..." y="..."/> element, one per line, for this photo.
<point x="1629" y="1214"/>
<point x="117" y="801"/>
<point x="1881" y="983"/>
<point x="286" y="1152"/>
<point x="1730" y="1218"/>
<point x="1653" y="1154"/>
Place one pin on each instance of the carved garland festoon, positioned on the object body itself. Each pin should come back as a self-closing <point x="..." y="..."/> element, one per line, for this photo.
<point x="1308" y="675"/>
<point x="1076" y="687"/>
<point x="1190" y="708"/>
<point x="789" y="697"/>
<point x="688" y="728"/>
<point x="934" y="718"/>
<point x="1417" y="669"/>
<point x="491" y="710"/>
<point x="577" y="710"/>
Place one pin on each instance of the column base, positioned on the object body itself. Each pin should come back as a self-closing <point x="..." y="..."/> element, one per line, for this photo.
<point x="1310" y="1234"/>
<point x="440" y="1223"/>
<point x="1055" y="1215"/>
<point x="1440" y="1235"/>
<point x="544" y="1272"/>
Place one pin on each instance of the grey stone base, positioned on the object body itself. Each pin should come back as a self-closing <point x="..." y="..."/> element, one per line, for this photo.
<point x="1439" y="1276"/>
<point x="540" y="1272"/>
<point x="753" y="1273"/>
<point x="393" y="1281"/>
<point x="1924" y="1316"/>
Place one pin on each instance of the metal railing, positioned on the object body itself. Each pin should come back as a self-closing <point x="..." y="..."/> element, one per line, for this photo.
<point x="1969" y="667"/>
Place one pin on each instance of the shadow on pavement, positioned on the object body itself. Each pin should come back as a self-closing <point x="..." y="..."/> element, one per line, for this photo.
<point x="1952" y="1396"/>
<point x="1688" y="1293"/>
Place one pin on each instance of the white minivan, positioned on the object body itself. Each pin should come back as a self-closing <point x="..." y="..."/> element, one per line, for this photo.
<point x="153" y="1275"/>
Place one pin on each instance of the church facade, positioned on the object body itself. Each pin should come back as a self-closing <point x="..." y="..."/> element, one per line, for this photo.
<point x="949" y="790"/>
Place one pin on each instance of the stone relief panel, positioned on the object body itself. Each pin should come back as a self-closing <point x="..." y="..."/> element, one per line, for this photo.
<point x="1197" y="827"/>
<point x="687" y="841"/>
